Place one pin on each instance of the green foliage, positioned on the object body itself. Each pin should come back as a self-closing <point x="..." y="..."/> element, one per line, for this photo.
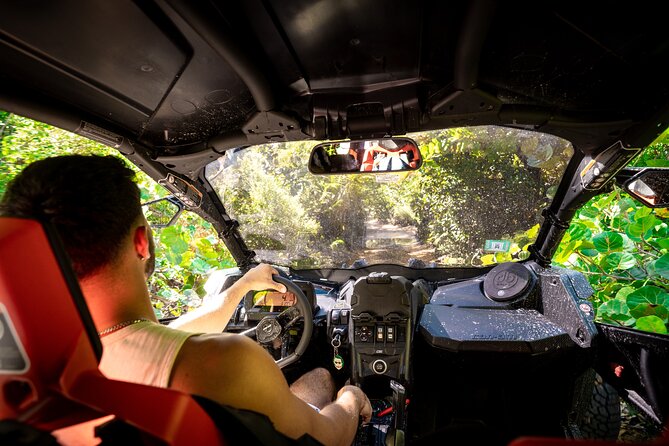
<point x="185" y="252"/>
<point x="189" y="252"/>
<point x="23" y="141"/>
<point x="476" y="186"/>
<point x="651" y="323"/>
<point x="623" y="249"/>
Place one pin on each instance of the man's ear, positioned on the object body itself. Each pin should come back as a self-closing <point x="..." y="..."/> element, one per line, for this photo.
<point x="141" y="241"/>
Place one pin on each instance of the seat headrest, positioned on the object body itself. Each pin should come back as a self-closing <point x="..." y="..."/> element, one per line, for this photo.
<point x="43" y="315"/>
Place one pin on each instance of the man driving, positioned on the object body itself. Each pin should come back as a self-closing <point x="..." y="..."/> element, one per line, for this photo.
<point x="94" y="205"/>
<point x="386" y="155"/>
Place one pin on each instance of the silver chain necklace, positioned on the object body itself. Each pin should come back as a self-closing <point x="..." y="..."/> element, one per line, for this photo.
<point x="120" y="325"/>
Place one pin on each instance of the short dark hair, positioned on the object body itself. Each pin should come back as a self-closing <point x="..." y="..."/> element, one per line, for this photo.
<point x="92" y="201"/>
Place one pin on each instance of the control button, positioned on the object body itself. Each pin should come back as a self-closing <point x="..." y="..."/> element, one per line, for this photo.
<point x="379" y="367"/>
<point x="364" y="333"/>
<point x="390" y="334"/>
<point x="380" y="334"/>
<point x="344" y="317"/>
<point x="334" y="317"/>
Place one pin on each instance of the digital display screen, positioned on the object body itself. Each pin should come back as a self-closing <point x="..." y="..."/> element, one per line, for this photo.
<point x="273" y="300"/>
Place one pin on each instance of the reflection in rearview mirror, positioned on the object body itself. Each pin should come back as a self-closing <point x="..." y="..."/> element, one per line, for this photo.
<point x="162" y="212"/>
<point x="651" y="187"/>
<point x="375" y="155"/>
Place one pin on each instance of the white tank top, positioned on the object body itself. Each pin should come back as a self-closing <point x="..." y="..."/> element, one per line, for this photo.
<point x="142" y="353"/>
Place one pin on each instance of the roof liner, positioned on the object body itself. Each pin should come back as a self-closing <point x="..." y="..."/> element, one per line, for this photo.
<point x="178" y="79"/>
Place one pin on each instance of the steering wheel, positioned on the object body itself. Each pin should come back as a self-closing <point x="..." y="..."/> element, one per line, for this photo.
<point x="275" y="327"/>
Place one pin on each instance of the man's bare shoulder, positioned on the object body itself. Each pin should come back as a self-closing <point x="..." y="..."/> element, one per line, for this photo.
<point x="218" y="357"/>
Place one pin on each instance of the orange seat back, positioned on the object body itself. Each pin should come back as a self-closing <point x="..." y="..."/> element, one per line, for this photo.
<point x="49" y="350"/>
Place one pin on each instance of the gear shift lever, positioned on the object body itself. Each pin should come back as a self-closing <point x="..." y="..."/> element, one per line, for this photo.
<point x="396" y="437"/>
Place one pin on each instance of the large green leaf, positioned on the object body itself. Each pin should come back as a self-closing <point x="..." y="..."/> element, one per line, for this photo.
<point x="605" y="201"/>
<point x="185" y="259"/>
<point x="642" y="213"/>
<point x="617" y="261"/>
<point x="635" y="231"/>
<point x="642" y="228"/>
<point x="648" y="301"/>
<point x="590" y="225"/>
<point x="624" y="292"/>
<point x="579" y="231"/>
<point x="637" y="273"/>
<point x="661" y="230"/>
<point x="588" y="212"/>
<point x="651" y="323"/>
<point x="589" y="252"/>
<point x="661" y="266"/>
<point x="664" y="243"/>
<point x="567" y="251"/>
<point x="619" y="223"/>
<point x="587" y="248"/>
<point x="648" y="222"/>
<point x="608" y="241"/>
<point x="615" y="311"/>
<point x="173" y="239"/>
<point x="628" y="244"/>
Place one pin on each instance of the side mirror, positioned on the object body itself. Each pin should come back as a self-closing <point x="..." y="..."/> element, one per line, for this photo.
<point x="649" y="185"/>
<point x="360" y="156"/>
<point x="163" y="212"/>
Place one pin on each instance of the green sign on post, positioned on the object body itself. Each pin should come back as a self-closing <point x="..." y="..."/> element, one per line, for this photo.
<point x="497" y="246"/>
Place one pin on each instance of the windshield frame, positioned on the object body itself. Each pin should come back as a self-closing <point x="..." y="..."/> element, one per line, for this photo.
<point x="253" y="259"/>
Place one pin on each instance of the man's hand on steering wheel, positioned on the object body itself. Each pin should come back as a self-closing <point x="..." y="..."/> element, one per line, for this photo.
<point x="260" y="278"/>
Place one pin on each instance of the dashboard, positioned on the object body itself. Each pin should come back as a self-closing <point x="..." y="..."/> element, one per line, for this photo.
<point x="402" y="337"/>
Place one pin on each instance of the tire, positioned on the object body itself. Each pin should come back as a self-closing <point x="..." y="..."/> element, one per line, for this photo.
<point x="601" y="419"/>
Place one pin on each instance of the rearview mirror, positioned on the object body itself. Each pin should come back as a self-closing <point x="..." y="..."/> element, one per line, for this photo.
<point x="650" y="186"/>
<point x="360" y="156"/>
<point x="163" y="212"/>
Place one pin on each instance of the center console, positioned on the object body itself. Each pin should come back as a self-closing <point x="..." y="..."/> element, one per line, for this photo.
<point x="375" y="321"/>
<point x="380" y="327"/>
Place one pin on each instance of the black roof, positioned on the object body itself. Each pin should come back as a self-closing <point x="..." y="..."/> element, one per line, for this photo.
<point x="182" y="78"/>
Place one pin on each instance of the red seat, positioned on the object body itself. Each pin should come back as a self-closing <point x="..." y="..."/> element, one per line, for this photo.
<point x="539" y="441"/>
<point x="49" y="351"/>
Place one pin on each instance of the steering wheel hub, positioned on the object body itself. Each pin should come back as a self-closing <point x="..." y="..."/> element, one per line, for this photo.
<point x="268" y="329"/>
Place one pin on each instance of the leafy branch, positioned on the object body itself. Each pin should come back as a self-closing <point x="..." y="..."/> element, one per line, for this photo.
<point x="622" y="248"/>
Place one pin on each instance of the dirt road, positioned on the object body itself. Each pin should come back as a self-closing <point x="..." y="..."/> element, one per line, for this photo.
<point x="388" y="243"/>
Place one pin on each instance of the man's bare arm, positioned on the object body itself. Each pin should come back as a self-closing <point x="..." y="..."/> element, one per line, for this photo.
<point x="213" y="316"/>
<point x="234" y="370"/>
